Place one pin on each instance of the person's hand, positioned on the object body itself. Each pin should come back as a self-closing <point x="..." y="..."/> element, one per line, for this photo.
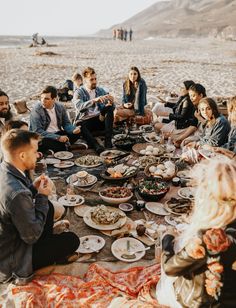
<point x="161" y="100"/>
<point x="63" y="139"/>
<point x="225" y="152"/>
<point x="128" y="105"/>
<point x="77" y="130"/>
<point x="192" y="145"/>
<point x="195" y="249"/>
<point x="176" y="141"/>
<point x="45" y="186"/>
<point x="37" y="182"/>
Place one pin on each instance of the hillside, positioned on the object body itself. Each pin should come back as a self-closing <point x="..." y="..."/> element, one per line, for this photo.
<point x="183" y="18"/>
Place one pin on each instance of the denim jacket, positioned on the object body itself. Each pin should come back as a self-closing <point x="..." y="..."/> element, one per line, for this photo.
<point x="231" y="144"/>
<point x="142" y="99"/>
<point x="216" y="135"/>
<point x="40" y="120"/>
<point x="83" y="103"/>
<point x="22" y="222"/>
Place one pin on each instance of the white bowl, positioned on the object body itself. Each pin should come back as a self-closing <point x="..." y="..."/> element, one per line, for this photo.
<point x="115" y="200"/>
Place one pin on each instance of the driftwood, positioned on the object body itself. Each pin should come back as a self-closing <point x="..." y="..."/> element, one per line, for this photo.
<point x="46" y="53"/>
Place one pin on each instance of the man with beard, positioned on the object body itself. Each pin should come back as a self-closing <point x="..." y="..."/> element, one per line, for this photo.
<point x="5" y="110"/>
<point x="94" y="110"/>
<point x="27" y="242"/>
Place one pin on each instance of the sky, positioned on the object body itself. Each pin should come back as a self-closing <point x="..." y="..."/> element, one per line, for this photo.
<point x="65" y="17"/>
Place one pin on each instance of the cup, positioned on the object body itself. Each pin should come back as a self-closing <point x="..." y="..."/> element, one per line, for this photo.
<point x="70" y="193"/>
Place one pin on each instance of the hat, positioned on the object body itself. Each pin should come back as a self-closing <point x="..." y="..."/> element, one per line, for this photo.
<point x="188" y="84"/>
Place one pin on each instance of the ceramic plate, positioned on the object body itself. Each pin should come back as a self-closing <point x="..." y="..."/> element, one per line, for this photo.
<point x="63" y="155"/>
<point x="151" y="138"/>
<point x="187" y="193"/>
<point x="77" y="200"/>
<point x="156" y="208"/>
<point x="179" y="206"/>
<point x="80" y="210"/>
<point x="111" y="153"/>
<point x="174" y="220"/>
<point x="90" y="180"/>
<point x="64" y="164"/>
<point x="119" y="247"/>
<point x="184" y="174"/>
<point x="88" y="220"/>
<point x="146" y="128"/>
<point x="52" y="161"/>
<point x="88" y="161"/>
<point x="91" y="243"/>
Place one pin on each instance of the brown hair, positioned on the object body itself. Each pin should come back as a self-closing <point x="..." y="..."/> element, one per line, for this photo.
<point x="212" y="104"/>
<point x="199" y="89"/>
<point x="50" y="89"/>
<point x="76" y="76"/>
<point x="14" y="124"/>
<point x="14" y="139"/>
<point x="2" y="93"/>
<point x="231" y="106"/>
<point x="128" y="85"/>
<point x="88" y="72"/>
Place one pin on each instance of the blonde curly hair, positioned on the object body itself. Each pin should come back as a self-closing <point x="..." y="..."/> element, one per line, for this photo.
<point x="215" y="198"/>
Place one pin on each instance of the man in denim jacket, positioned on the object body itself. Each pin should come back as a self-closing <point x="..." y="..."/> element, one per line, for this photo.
<point x="94" y="110"/>
<point x="50" y="120"/>
<point x="27" y="242"/>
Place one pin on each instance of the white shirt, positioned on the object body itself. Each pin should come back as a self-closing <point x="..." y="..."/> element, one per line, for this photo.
<point x="53" y="127"/>
<point x="92" y="110"/>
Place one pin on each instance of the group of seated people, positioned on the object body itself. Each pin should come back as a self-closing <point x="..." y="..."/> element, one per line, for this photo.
<point x="193" y="121"/>
<point x="198" y="268"/>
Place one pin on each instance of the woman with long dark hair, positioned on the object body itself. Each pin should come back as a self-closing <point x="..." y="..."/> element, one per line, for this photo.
<point x="216" y="127"/>
<point x="134" y="96"/>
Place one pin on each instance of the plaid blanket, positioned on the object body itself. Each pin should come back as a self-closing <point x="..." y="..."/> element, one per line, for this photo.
<point x="99" y="288"/>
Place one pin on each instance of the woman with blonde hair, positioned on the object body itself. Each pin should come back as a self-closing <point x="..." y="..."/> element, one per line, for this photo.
<point x="204" y="267"/>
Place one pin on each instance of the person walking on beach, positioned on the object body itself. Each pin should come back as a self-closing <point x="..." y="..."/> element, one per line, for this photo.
<point x="27" y="242"/>
<point x="49" y="118"/>
<point x="94" y="110"/>
<point x="125" y="35"/>
<point x="130" y="34"/>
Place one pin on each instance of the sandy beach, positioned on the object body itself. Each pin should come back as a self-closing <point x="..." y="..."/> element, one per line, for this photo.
<point x="164" y="64"/>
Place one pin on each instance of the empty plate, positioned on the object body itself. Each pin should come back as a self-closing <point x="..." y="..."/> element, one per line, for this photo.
<point x="156" y="208"/>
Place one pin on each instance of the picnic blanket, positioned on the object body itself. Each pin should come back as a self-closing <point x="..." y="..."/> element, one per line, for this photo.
<point x="99" y="288"/>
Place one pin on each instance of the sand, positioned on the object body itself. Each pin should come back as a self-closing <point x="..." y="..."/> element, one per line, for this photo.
<point x="164" y="64"/>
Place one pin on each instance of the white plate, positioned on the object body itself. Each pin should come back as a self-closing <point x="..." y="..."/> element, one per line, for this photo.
<point x="186" y="192"/>
<point x="88" y="220"/>
<point x="151" y="140"/>
<point x="64" y="164"/>
<point x="119" y="137"/>
<point x="145" y="127"/>
<point x="99" y="163"/>
<point x="63" y="155"/>
<point x="90" y="180"/>
<point x="119" y="247"/>
<point x="78" y="200"/>
<point x="156" y="208"/>
<point x="80" y="210"/>
<point x="111" y="153"/>
<point x="184" y="174"/>
<point x="52" y="161"/>
<point x="94" y="242"/>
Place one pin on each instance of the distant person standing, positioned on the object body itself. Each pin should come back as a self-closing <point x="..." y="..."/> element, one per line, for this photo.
<point x="125" y="34"/>
<point x="121" y="34"/>
<point x="130" y="34"/>
<point x="114" y="34"/>
<point x="35" y="39"/>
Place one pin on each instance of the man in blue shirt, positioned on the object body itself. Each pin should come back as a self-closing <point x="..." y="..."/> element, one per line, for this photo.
<point x="94" y="110"/>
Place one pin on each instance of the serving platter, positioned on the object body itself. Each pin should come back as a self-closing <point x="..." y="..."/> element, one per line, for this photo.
<point x="91" y="223"/>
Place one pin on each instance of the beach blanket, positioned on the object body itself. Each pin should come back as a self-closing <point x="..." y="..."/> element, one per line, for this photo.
<point x="99" y="288"/>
